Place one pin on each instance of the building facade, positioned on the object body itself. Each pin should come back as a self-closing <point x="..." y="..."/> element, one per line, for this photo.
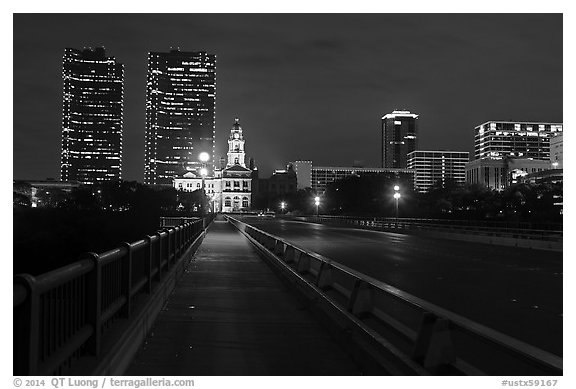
<point x="180" y="114"/>
<point x="303" y="170"/>
<point x="92" y="116"/>
<point x="437" y="167"/>
<point x="228" y="189"/>
<point x="399" y="137"/>
<point x="323" y="175"/>
<point x="557" y="151"/>
<point x="500" y="139"/>
<point x="499" y="174"/>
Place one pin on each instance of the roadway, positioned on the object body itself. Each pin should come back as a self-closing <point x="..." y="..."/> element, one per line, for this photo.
<point x="516" y="291"/>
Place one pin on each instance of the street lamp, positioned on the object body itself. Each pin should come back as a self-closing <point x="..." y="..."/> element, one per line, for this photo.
<point x="203" y="157"/>
<point x="396" y="198"/>
<point x="317" y="202"/>
<point x="282" y="206"/>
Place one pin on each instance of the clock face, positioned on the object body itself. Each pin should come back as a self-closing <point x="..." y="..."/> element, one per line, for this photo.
<point x="236" y="136"/>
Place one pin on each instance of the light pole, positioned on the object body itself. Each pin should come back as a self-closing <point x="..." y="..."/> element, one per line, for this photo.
<point x="203" y="157"/>
<point x="282" y="206"/>
<point x="396" y="198"/>
<point x="317" y="202"/>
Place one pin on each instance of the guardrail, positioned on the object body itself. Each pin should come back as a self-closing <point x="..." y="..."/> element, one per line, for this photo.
<point x="417" y="336"/>
<point x="502" y="229"/>
<point x="68" y="314"/>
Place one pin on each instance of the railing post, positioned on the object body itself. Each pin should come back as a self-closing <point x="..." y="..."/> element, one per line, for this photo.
<point x="148" y="263"/>
<point x="94" y="302"/>
<point x="361" y="299"/>
<point x="440" y="350"/>
<point x="26" y="346"/>
<point x="127" y="279"/>
<point x="169" y="247"/>
<point x="423" y="337"/>
<point x="160" y="247"/>
<point x="324" y="279"/>
<point x="303" y="264"/>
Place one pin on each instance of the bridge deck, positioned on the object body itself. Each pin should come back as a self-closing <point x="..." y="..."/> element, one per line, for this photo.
<point x="230" y="315"/>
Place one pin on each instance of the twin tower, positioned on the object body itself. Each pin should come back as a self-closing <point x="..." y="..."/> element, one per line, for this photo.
<point x="180" y="115"/>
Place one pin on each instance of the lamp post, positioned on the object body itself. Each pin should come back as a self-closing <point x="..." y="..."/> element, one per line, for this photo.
<point x="203" y="157"/>
<point x="396" y="198"/>
<point x="317" y="203"/>
<point x="282" y="206"/>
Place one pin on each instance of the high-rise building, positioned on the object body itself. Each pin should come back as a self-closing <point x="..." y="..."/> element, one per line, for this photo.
<point x="399" y="137"/>
<point x="91" y="116"/>
<point x="180" y="114"/>
<point x="437" y="167"/>
<point x="499" y="139"/>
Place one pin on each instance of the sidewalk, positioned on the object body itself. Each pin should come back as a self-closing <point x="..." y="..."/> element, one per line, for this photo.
<point x="230" y="315"/>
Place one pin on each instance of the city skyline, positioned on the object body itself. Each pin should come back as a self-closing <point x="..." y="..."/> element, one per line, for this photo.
<point x="297" y="91"/>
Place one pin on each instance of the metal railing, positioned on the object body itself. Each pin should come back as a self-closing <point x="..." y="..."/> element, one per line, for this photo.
<point x="67" y="314"/>
<point x="518" y="230"/>
<point x="425" y="338"/>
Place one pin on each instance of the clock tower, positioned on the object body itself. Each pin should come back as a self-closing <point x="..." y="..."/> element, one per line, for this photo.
<point x="236" y="154"/>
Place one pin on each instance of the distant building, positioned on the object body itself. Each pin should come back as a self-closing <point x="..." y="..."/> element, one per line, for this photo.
<point x="499" y="174"/>
<point x="432" y="167"/>
<point x="44" y="193"/>
<point x="399" y="137"/>
<point x="91" y="116"/>
<point x="552" y="176"/>
<point x="556" y="151"/>
<point x="180" y="114"/>
<point x="303" y="171"/>
<point x="323" y="175"/>
<point x="282" y="183"/>
<point x="499" y="139"/>
<point x="230" y="188"/>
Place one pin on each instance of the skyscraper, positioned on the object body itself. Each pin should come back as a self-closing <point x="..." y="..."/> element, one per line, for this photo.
<point x="180" y="114"/>
<point x="399" y="137"/>
<point x="91" y="116"/>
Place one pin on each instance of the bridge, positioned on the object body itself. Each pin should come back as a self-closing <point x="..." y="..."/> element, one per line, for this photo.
<point x="248" y="295"/>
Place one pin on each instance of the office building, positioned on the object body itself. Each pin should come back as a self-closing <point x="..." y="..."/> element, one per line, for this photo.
<point x="500" y="139"/>
<point x="91" y="116"/>
<point x="437" y="168"/>
<point x="180" y="114"/>
<point x="399" y="137"/>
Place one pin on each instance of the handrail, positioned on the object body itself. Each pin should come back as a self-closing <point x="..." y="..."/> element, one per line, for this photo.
<point x="422" y="324"/>
<point x="458" y="226"/>
<point x="69" y="313"/>
<point x="521" y="225"/>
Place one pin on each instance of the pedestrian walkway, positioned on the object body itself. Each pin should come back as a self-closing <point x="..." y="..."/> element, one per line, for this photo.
<point x="230" y="315"/>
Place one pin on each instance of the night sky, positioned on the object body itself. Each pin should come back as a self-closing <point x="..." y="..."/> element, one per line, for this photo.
<point x="304" y="86"/>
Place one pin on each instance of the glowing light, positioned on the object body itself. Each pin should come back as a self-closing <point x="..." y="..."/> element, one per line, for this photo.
<point x="204" y="156"/>
<point x="396" y="188"/>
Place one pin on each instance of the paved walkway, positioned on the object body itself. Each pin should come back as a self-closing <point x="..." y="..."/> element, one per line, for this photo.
<point x="230" y="315"/>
